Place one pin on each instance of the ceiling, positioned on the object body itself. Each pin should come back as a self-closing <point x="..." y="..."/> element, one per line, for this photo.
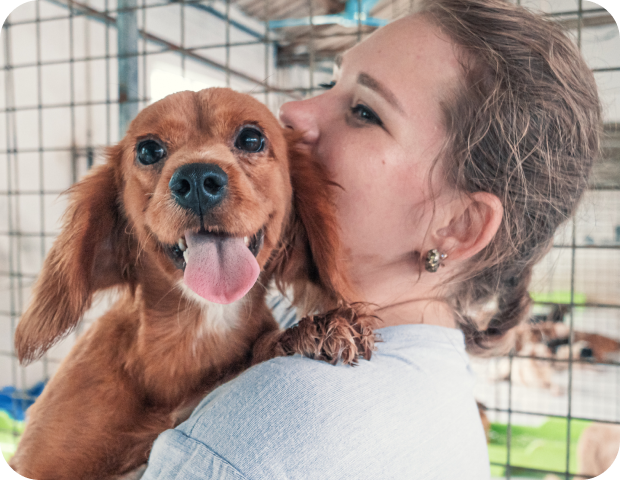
<point x="317" y="43"/>
<point x="303" y="45"/>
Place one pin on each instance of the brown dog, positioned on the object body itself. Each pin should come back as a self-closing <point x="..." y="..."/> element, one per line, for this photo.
<point x="201" y="196"/>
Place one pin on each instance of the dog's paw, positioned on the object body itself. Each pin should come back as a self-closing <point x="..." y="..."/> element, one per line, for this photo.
<point x="341" y="335"/>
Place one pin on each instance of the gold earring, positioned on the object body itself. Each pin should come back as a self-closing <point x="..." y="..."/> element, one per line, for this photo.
<point x="433" y="260"/>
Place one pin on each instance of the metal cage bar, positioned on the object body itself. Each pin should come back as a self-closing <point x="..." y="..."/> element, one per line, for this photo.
<point x="296" y="41"/>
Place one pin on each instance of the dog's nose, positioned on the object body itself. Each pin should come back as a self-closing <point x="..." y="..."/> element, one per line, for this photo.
<point x="199" y="186"/>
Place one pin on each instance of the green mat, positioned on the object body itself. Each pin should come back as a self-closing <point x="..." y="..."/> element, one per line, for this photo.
<point x="10" y="431"/>
<point x="559" y="297"/>
<point x="542" y="447"/>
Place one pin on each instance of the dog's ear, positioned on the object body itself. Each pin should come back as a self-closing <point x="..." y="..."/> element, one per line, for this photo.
<point x="92" y="252"/>
<point x="335" y="326"/>
<point x="311" y="259"/>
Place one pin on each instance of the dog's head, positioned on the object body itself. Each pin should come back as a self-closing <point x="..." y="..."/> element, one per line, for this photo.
<point x="206" y="183"/>
<point x="204" y="192"/>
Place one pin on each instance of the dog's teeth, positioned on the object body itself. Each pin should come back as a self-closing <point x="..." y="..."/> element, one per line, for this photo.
<point x="246" y="240"/>
<point x="185" y="255"/>
<point x="182" y="244"/>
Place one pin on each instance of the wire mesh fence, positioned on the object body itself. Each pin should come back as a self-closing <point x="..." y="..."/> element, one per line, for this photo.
<point x="75" y="72"/>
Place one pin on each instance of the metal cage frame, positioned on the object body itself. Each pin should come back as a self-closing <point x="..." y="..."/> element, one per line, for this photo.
<point x="135" y="43"/>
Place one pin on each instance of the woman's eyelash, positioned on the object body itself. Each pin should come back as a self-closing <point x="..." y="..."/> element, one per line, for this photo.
<point x="366" y="115"/>
<point x="362" y="112"/>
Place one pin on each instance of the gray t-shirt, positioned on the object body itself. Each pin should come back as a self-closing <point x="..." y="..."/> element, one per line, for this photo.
<point x="407" y="414"/>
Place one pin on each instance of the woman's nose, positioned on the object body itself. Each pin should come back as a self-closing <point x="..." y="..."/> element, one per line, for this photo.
<point x="301" y="116"/>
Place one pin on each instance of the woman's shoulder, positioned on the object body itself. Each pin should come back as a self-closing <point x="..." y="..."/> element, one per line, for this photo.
<point x="292" y="409"/>
<point x="411" y="367"/>
<point x="408" y="358"/>
<point x="266" y="385"/>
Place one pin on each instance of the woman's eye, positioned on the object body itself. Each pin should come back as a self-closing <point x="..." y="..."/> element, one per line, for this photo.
<point x="250" y="140"/>
<point x="366" y="115"/>
<point x="150" y="152"/>
<point x="327" y="85"/>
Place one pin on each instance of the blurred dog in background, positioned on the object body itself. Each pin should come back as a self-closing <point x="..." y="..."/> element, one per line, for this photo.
<point x="542" y="347"/>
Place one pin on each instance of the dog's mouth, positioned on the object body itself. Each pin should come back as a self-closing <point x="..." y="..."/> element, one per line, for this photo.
<point x="217" y="266"/>
<point x="179" y="251"/>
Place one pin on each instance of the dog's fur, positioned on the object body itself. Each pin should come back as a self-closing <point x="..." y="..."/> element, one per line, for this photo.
<point x="143" y="365"/>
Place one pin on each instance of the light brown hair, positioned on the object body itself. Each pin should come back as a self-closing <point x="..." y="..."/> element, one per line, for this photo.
<point x="524" y="125"/>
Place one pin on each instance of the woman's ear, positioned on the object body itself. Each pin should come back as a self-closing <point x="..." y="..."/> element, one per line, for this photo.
<point x="91" y="253"/>
<point x="473" y="223"/>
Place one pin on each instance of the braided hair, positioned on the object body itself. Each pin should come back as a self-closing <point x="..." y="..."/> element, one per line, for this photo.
<point x="524" y="126"/>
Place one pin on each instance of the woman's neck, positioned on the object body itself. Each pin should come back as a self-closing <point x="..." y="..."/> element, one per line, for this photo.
<point x="400" y="296"/>
<point x="420" y="311"/>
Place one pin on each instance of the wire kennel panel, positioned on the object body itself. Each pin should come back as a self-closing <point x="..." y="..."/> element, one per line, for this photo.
<point x="75" y="72"/>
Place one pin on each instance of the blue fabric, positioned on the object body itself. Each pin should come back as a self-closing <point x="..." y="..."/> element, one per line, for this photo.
<point x="408" y="414"/>
<point x="16" y="402"/>
<point x="284" y="313"/>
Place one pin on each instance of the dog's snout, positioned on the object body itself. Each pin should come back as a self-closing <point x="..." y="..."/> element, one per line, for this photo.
<point x="199" y="186"/>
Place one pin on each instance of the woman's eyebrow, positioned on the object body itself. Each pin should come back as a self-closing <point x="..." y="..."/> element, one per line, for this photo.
<point x="367" y="81"/>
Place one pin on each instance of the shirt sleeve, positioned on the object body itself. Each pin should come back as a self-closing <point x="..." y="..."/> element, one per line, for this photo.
<point x="175" y="456"/>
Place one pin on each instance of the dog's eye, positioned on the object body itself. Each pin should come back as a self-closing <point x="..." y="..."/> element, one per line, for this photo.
<point x="150" y="152"/>
<point x="250" y="140"/>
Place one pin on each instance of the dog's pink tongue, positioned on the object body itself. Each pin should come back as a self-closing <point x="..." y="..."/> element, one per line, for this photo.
<point x="219" y="269"/>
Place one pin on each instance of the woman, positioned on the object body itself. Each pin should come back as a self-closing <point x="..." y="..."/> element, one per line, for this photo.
<point x="463" y="136"/>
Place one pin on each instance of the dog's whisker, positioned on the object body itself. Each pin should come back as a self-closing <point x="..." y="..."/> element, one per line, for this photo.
<point x="179" y="311"/>
<point x="165" y="295"/>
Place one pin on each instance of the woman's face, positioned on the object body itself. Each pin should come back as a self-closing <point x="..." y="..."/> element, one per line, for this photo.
<point x="378" y="130"/>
